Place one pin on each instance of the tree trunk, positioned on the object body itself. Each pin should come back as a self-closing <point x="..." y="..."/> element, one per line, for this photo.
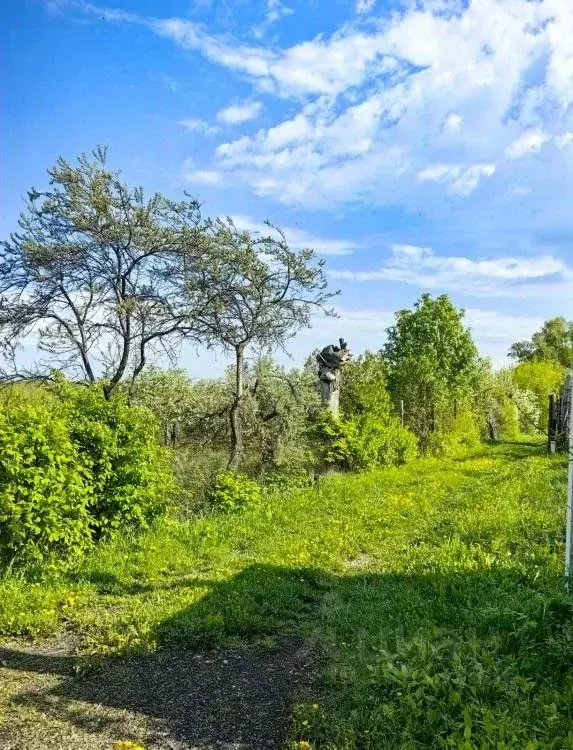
<point x="235" y="412"/>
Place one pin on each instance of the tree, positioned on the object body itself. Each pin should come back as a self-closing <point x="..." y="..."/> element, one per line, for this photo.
<point x="280" y="406"/>
<point x="554" y="341"/>
<point x="92" y="271"/>
<point x="253" y="292"/>
<point x="432" y="363"/>
<point x="364" y="386"/>
<point x="543" y="378"/>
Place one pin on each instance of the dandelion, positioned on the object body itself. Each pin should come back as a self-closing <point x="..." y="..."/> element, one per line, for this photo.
<point x="127" y="745"/>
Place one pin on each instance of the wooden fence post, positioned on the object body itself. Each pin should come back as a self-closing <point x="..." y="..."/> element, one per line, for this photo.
<point x="551" y="431"/>
<point x="569" y="442"/>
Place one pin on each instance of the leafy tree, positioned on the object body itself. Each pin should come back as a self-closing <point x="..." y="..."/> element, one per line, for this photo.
<point x="543" y="378"/>
<point x="253" y="293"/>
<point x="92" y="271"/>
<point x="364" y="386"/>
<point x="432" y="363"/>
<point x="553" y="342"/>
<point x="278" y="408"/>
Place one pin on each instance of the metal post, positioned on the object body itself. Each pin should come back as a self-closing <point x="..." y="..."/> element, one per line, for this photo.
<point x="569" y="531"/>
<point x="551" y="444"/>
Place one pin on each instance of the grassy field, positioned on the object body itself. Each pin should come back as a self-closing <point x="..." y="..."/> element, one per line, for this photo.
<point x="405" y="608"/>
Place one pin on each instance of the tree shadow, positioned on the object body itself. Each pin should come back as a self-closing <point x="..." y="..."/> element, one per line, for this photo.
<point x="241" y="697"/>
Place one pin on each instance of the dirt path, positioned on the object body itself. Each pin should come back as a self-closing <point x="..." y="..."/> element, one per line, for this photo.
<point x="235" y="700"/>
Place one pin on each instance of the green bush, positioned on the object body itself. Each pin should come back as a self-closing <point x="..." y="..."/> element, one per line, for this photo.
<point x="363" y="442"/>
<point x="74" y="467"/>
<point x="285" y="479"/>
<point x="234" y="491"/>
<point x="117" y="443"/>
<point x="194" y="467"/>
<point x="45" y="489"/>
<point x="463" y="433"/>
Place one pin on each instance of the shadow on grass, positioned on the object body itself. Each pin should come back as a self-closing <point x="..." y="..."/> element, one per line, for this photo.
<point x="241" y="696"/>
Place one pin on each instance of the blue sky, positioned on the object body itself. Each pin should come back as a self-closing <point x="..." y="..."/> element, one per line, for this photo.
<point x="419" y="146"/>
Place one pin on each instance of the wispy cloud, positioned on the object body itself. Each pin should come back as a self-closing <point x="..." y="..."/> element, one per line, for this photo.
<point x="527" y="143"/>
<point x="501" y="276"/>
<point x="191" y="174"/>
<point x="195" y="125"/>
<point x="298" y="238"/>
<point x="364" y="6"/>
<point x="379" y="108"/>
<point x="493" y="331"/>
<point x="236" y="114"/>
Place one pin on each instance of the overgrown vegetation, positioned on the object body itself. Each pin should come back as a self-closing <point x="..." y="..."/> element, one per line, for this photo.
<point x="141" y="509"/>
<point x="74" y="466"/>
<point x="433" y="593"/>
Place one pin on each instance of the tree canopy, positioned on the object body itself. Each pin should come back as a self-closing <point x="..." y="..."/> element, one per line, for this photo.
<point x="554" y="341"/>
<point x="92" y="270"/>
<point x="252" y="292"/>
<point x="432" y="361"/>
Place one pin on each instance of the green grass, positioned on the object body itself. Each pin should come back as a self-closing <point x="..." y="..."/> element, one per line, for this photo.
<point x="434" y="593"/>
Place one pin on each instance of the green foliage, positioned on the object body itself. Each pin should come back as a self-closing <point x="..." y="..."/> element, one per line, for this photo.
<point x="364" y="386"/>
<point x="282" y="480"/>
<point x="432" y="362"/>
<point x="194" y="469"/>
<point x="45" y="489"/>
<point x="276" y="412"/>
<point x="73" y="468"/>
<point x="554" y="342"/>
<point x="170" y="395"/>
<point x="464" y="433"/>
<point x="363" y="442"/>
<point x="129" y="472"/>
<point x="234" y="491"/>
<point x="513" y="409"/>
<point x="543" y="378"/>
<point x="96" y="271"/>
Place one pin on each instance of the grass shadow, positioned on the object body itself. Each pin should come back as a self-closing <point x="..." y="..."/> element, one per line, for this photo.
<point x="241" y="696"/>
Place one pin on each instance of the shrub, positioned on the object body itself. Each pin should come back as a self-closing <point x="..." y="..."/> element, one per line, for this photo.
<point x="285" y="479"/>
<point x="194" y="468"/>
<point x="363" y="442"/>
<point x="117" y="443"/>
<point x="463" y="433"/>
<point x="233" y="491"/>
<point x="44" y="488"/>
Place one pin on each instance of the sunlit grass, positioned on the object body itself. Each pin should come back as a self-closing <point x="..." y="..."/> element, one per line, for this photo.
<point x="433" y="591"/>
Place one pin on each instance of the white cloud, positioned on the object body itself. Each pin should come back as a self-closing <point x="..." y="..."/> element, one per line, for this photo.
<point x="439" y="173"/>
<point x="276" y="10"/>
<point x="453" y="122"/>
<point x="192" y="175"/>
<point x="502" y="276"/>
<point x="527" y="143"/>
<point x="170" y="83"/>
<point x="468" y="181"/>
<point x="298" y="238"/>
<point x="365" y="329"/>
<point x="239" y="113"/>
<point x="464" y="180"/>
<point x="564" y="140"/>
<point x="194" y="125"/>
<point x="437" y="83"/>
<point x="364" y="6"/>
